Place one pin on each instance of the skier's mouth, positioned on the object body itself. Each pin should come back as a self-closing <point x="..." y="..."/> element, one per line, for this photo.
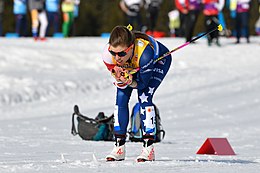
<point x="119" y="61"/>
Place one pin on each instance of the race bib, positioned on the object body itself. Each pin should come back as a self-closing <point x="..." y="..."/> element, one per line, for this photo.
<point x="150" y="119"/>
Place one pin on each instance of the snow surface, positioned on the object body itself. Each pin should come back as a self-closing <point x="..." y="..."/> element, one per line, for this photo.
<point x="208" y="92"/>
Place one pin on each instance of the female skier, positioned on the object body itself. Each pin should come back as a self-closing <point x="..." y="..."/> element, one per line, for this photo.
<point x="131" y="59"/>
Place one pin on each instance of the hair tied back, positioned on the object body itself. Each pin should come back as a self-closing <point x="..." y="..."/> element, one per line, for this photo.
<point x="129" y="27"/>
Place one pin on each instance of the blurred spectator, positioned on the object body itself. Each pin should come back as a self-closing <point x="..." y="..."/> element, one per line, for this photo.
<point x="76" y="16"/>
<point x="257" y="25"/>
<point x="242" y="19"/>
<point x="211" y="10"/>
<point x="232" y="8"/>
<point x="174" y="23"/>
<point x="225" y="32"/>
<point x="76" y="8"/>
<point x="191" y="10"/>
<point x="39" y="18"/>
<point x="152" y="8"/>
<point x="20" y="9"/>
<point x="67" y="8"/>
<point x="53" y="14"/>
<point x="182" y="15"/>
<point x="1" y="16"/>
<point x="132" y="9"/>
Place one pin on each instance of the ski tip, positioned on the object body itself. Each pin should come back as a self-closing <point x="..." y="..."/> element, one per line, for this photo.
<point x="220" y="28"/>
<point x="140" y="160"/>
<point x="144" y="160"/>
<point x="109" y="159"/>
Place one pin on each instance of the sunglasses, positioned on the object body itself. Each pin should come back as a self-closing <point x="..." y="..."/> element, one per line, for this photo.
<point x="120" y="54"/>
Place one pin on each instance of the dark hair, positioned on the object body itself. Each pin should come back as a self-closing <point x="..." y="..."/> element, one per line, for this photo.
<point x="121" y="35"/>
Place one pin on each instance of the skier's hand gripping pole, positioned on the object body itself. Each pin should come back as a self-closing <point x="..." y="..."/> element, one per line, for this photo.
<point x="123" y="77"/>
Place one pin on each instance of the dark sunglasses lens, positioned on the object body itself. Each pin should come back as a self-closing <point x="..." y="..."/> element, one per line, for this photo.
<point x="121" y="53"/>
<point x="112" y="53"/>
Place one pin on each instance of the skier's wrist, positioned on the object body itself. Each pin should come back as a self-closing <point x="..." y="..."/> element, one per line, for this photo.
<point x="133" y="84"/>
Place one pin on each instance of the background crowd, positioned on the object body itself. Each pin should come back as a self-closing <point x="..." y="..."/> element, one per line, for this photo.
<point x="44" y="15"/>
<point x="239" y="14"/>
<point x="183" y="18"/>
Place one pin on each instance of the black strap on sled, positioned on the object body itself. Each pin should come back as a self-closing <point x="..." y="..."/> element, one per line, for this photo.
<point x="73" y="129"/>
<point x="163" y="134"/>
<point x="77" y="112"/>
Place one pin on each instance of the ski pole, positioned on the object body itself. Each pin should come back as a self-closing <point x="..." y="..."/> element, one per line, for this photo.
<point x="219" y="28"/>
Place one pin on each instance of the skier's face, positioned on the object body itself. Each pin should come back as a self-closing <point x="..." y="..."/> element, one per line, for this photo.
<point x="121" y="53"/>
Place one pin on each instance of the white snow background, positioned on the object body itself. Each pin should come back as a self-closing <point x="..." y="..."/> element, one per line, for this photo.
<point x="209" y="92"/>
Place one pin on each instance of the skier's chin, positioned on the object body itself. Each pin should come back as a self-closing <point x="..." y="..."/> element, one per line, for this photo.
<point x="120" y="63"/>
